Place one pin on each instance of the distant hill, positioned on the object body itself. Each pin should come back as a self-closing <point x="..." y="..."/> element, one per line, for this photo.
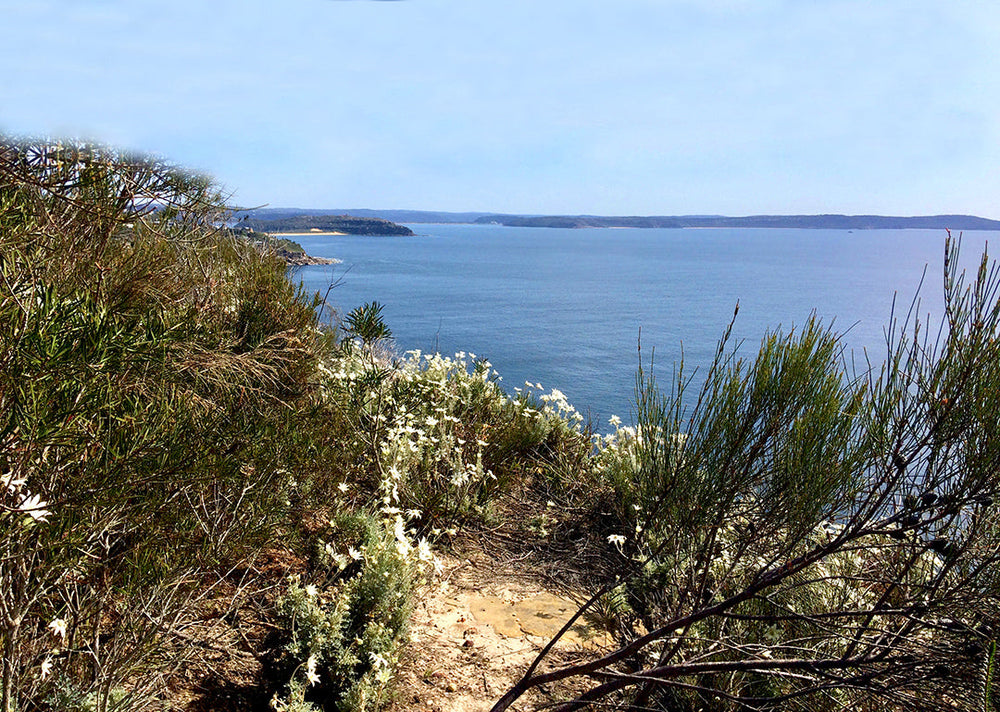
<point x="579" y="221"/>
<point x="347" y="224"/>
<point x="838" y="222"/>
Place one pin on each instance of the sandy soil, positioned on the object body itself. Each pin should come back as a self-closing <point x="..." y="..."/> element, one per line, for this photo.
<point x="475" y="631"/>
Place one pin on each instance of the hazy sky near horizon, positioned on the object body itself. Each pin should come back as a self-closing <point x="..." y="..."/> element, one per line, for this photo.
<point x="531" y="106"/>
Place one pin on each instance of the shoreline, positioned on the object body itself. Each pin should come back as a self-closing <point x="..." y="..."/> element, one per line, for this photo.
<point x="309" y="261"/>
<point x="317" y="232"/>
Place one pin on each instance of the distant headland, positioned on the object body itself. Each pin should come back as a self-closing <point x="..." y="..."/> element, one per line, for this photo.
<point x="300" y="218"/>
<point x="339" y="224"/>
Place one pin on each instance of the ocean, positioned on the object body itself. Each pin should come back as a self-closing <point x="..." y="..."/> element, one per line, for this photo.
<point x="569" y="308"/>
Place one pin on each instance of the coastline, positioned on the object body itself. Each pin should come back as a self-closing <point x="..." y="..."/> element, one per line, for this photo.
<point x="312" y="232"/>
<point x="305" y="260"/>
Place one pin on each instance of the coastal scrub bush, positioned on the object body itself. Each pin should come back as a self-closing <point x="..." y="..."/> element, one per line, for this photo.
<point x="436" y="436"/>
<point x="347" y="625"/>
<point x="807" y="537"/>
<point x="150" y="368"/>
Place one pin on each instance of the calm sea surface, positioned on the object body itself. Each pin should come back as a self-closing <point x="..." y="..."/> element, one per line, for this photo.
<point x="564" y="308"/>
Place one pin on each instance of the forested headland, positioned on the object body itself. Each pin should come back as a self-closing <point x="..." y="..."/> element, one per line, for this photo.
<point x="345" y="224"/>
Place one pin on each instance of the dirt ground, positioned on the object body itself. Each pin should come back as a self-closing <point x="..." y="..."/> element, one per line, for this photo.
<point x="474" y="632"/>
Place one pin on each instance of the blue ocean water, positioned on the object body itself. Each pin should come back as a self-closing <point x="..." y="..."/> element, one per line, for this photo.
<point x="565" y="308"/>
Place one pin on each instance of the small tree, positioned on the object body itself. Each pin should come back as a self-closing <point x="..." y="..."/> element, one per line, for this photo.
<point x="809" y="538"/>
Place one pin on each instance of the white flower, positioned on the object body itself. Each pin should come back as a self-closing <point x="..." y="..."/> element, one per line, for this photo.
<point x="311" y="591"/>
<point x="343" y="487"/>
<point x="424" y="550"/>
<point x="617" y="539"/>
<point x="311" y="675"/>
<point x="33" y="506"/>
<point x="403" y="545"/>
<point x="615" y="421"/>
<point x="58" y="627"/>
<point x="355" y="554"/>
<point x="378" y="661"/>
<point x="10" y="483"/>
<point x="46" y="667"/>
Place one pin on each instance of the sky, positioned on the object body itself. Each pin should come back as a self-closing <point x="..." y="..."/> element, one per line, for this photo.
<point x="612" y="107"/>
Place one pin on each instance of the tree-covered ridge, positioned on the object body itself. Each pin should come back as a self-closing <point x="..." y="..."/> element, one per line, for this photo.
<point x="347" y="224"/>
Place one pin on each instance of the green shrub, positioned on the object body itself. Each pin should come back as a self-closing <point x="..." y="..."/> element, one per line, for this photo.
<point x="347" y="626"/>
<point x="437" y="438"/>
<point x="150" y="369"/>
<point x="807" y="537"/>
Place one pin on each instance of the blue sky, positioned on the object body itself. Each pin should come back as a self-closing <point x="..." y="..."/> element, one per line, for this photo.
<point x="533" y="106"/>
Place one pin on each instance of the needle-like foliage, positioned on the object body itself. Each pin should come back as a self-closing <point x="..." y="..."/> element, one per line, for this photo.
<point x="806" y="537"/>
<point x="149" y="363"/>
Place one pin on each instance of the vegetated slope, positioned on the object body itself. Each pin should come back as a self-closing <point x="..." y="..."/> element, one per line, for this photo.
<point x="207" y="500"/>
<point x="155" y="384"/>
<point x="211" y="501"/>
<point x="290" y="251"/>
